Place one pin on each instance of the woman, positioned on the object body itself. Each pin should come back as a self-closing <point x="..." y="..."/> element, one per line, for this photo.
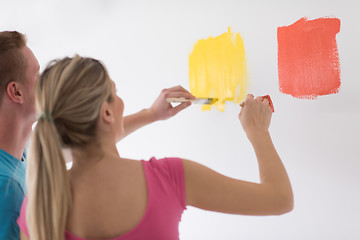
<point x="105" y="196"/>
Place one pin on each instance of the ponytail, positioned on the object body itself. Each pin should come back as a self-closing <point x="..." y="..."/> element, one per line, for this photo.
<point x="49" y="199"/>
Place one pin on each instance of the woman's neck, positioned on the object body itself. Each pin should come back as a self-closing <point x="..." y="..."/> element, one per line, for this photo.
<point x="92" y="154"/>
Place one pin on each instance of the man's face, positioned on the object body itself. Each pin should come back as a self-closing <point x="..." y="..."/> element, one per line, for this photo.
<point x="31" y="77"/>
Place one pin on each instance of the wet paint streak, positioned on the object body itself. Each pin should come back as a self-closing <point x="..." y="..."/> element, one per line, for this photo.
<point x="217" y="69"/>
<point x="308" y="58"/>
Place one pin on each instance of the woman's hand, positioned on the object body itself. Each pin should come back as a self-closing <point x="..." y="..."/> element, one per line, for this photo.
<point x="255" y="116"/>
<point x="162" y="109"/>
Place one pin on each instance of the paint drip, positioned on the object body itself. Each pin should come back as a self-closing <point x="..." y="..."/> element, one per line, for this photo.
<point x="308" y="58"/>
<point x="217" y="69"/>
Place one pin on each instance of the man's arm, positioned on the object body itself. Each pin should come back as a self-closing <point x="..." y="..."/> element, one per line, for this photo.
<point x="159" y="110"/>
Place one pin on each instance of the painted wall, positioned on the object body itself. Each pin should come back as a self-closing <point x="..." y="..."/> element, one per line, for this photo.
<point x="146" y="47"/>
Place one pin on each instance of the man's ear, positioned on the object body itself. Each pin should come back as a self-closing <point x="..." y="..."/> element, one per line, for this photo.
<point x="15" y="92"/>
<point x="107" y="114"/>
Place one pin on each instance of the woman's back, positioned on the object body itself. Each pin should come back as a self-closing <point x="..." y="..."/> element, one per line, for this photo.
<point x="109" y="198"/>
<point x="117" y="211"/>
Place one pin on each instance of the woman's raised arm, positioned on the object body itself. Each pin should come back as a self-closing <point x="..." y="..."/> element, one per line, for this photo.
<point x="209" y="190"/>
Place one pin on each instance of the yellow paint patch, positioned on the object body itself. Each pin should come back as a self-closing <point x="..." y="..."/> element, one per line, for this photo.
<point x="217" y="69"/>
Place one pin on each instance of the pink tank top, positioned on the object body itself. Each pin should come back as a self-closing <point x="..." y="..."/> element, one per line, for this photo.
<point x="166" y="203"/>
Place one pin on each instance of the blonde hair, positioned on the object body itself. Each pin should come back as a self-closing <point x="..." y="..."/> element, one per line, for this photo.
<point x="69" y="95"/>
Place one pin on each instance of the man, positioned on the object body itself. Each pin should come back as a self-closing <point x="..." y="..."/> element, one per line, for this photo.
<point x="18" y="73"/>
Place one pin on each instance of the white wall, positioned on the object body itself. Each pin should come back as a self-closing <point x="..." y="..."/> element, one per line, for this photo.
<point x="145" y="45"/>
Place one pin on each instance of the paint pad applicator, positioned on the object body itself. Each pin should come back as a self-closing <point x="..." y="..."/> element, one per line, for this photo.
<point x="263" y="97"/>
<point x="196" y="100"/>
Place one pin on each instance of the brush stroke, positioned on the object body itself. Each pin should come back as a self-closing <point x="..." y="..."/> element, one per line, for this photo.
<point x="308" y="58"/>
<point x="217" y="69"/>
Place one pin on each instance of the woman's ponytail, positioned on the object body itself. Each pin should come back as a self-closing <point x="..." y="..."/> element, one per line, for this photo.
<point x="49" y="198"/>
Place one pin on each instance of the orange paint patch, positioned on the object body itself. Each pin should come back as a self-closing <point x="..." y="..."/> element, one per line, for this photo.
<point x="308" y="58"/>
<point x="217" y="69"/>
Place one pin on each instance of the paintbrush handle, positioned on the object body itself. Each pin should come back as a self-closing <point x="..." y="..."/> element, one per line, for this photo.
<point x="196" y="100"/>
<point x="177" y="100"/>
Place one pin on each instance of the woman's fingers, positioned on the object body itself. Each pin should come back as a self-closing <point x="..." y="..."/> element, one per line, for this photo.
<point x="177" y="92"/>
<point x="255" y="114"/>
<point x="179" y="108"/>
